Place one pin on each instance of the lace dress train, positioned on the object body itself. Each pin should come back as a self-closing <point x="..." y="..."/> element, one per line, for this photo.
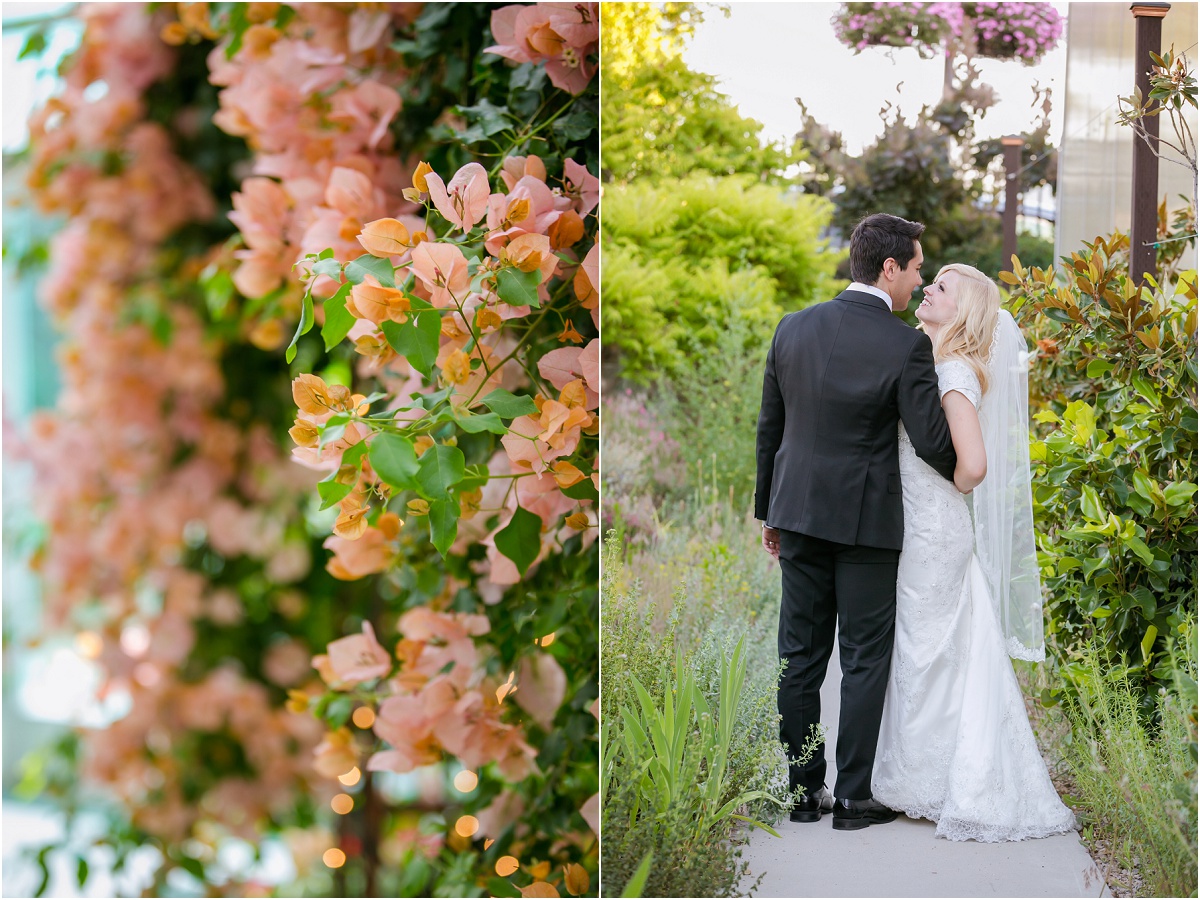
<point x="955" y="744"/>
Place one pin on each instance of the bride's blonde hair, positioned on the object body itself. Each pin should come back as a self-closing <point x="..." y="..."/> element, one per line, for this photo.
<point x="968" y="336"/>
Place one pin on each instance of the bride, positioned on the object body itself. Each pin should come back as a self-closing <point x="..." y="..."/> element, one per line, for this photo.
<point x="955" y="744"/>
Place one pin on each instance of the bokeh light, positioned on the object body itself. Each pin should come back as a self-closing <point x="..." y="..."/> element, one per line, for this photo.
<point x="351" y="778"/>
<point x="342" y="804"/>
<point x="334" y="858"/>
<point x="467" y="826"/>
<point x="466" y="781"/>
<point x="506" y="865"/>
<point x="363" y="717"/>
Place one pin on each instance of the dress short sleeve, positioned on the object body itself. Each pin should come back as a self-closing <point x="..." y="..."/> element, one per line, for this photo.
<point x="956" y="375"/>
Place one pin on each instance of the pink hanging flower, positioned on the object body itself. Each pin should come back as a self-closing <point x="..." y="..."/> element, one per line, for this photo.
<point x="358" y="657"/>
<point x="463" y="201"/>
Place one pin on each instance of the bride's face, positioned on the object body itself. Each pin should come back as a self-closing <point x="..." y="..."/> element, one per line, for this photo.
<point x="941" y="301"/>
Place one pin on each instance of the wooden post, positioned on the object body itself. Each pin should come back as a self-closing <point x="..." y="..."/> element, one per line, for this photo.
<point x="1143" y="218"/>
<point x="1012" y="163"/>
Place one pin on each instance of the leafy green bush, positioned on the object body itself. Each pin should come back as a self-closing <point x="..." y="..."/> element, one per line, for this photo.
<point x="1114" y="385"/>
<point x="684" y="257"/>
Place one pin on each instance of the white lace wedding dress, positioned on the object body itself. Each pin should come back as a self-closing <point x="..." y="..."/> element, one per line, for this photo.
<point x="955" y="744"/>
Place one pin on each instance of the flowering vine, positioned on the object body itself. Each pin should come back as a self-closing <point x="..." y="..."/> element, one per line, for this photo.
<point x="449" y="409"/>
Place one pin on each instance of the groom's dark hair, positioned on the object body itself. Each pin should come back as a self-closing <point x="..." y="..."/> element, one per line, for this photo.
<point x="878" y="238"/>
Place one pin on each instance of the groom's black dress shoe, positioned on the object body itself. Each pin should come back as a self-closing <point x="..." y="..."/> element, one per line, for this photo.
<point x="812" y="806"/>
<point x="850" y="815"/>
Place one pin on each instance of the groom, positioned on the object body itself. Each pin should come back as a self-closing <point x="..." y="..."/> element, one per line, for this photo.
<point x="840" y="376"/>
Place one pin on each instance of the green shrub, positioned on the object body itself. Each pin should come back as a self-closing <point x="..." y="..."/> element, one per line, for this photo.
<point x="1114" y="386"/>
<point x="645" y="623"/>
<point x="1137" y="784"/>
<point x="684" y="257"/>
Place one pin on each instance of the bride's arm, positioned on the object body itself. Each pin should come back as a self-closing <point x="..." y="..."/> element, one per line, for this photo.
<point x="968" y="441"/>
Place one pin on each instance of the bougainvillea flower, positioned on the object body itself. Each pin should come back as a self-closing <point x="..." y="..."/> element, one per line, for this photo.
<point x="589" y="367"/>
<point x="582" y="186"/>
<point x="385" y="237"/>
<point x="402" y="722"/>
<point x="560" y="34"/>
<point x="463" y="201"/>
<point x="358" y="657"/>
<point x="442" y="269"/>
<point x="371" y="301"/>
<point x="335" y="755"/>
<point x="515" y="168"/>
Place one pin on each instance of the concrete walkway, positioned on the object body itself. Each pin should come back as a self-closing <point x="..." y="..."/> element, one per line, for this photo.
<point x="904" y="859"/>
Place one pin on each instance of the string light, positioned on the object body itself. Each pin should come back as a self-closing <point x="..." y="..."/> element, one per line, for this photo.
<point x="466" y="781"/>
<point x="467" y="826"/>
<point x="334" y="858"/>
<point x="342" y="804"/>
<point x="364" y="717"/>
<point x="351" y="778"/>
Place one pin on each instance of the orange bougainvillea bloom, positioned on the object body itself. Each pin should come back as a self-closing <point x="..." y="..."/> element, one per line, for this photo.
<point x="313" y="396"/>
<point x="566" y="230"/>
<point x="419" y="182"/>
<point x="457" y="367"/>
<point x="385" y="237"/>
<point x="566" y="474"/>
<point x="378" y="304"/>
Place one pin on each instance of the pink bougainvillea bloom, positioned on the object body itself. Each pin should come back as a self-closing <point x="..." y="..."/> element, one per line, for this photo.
<point x="403" y="723"/>
<point x="582" y="184"/>
<point x="463" y="201"/>
<point x="442" y="269"/>
<point x="591" y="812"/>
<point x="351" y="193"/>
<point x="589" y="365"/>
<point x="359" y="657"/>
<point x="352" y="560"/>
<point x="517" y="167"/>
<point x="561" y="366"/>
<point x="542" y="685"/>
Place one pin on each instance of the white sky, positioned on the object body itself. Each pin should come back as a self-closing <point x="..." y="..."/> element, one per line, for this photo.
<point x="767" y="54"/>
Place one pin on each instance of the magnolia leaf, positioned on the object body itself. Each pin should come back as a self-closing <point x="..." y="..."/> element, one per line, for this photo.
<point x="395" y="460"/>
<point x="517" y="288"/>
<point x="521" y="539"/>
<point x="417" y="340"/>
<point x="1138" y="546"/>
<point x="502" y="887"/>
<point x="1178" y="493"/>
<point x="338" y="320"/>
<point x="443" y="523"/>
<point x="307" y="317"/>
<point x="440" y="467"/>
<point x="508" y="405"/>
<point x="358" y="269"/>
<point x="1148" y="642"/>
<point x="1090" y="505"/>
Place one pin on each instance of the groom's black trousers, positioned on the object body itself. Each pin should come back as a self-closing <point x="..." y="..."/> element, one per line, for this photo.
<point x="827" y="584"/>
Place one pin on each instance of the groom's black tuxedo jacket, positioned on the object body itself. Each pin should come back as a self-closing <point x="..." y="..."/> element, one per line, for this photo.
<point x="840" y="375"/>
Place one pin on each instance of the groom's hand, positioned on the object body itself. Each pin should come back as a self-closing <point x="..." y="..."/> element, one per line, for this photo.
<point x="770" y="541"/>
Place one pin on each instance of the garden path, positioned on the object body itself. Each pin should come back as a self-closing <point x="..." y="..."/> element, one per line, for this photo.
<point x="904" y="859"/>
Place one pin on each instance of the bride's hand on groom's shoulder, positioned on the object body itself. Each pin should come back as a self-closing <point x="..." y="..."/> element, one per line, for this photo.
<point x="770" y="541"/>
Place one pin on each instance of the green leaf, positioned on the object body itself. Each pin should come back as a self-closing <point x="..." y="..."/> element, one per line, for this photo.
<point x="1083" y="417"/>
<point x="333" y="429"/>
<point x="338" y="320"/>
<point x="517" y="288"/>
<point x="328" y="266"/>
<point x="34" y="45"/>
<point x="443" y="523"/>
<point x="521" y="539"/>
<point x="1148" y="642"/>
<point x="1058" y="315"/>
<point x="306" y="323"/>
<point x="238" y="23"/>
<point x="1138" y="546"/>
<point x="353" y="455"/>
<point x="192" y="866"/>
<point x="1090" y="505"/>
<point x="333" y="492"/>
<point x="394" y="460"/>
<point x="502" y="887"/>
<point x="358" y="269"/>
<point x="81" y="872"/>
<point x="1098" y="367"/>
<point x="417" y="340"/>
<point x="583" y="490"/>
<point x="637" y="881"/>
<point x="474" y="424"/>
<point x="509" y="406"/>
<point x="1143" y="485"/>
<point x="439" y="468"/>
<point x="1179" y="493"/>
<point x="1143" y="387"/>
<point x="1145" y="601"/>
